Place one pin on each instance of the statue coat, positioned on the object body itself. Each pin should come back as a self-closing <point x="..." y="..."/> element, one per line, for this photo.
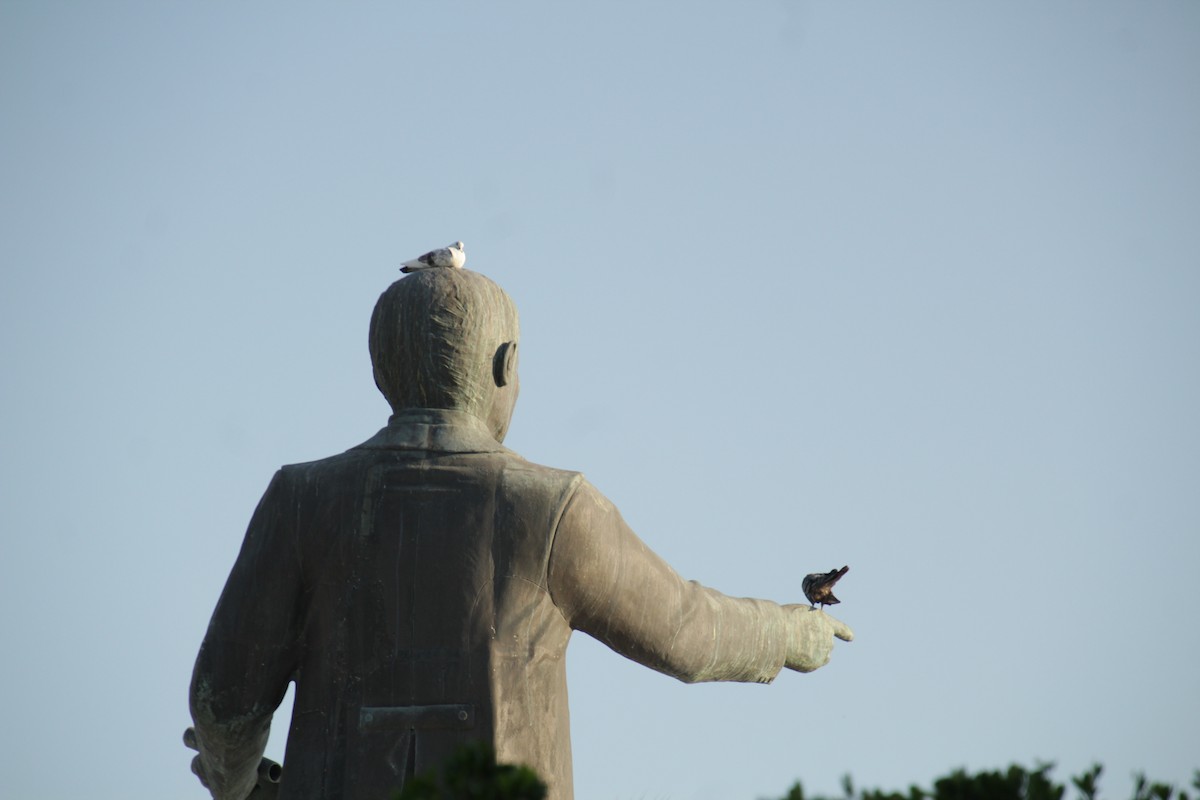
<point x="420" y="589"/>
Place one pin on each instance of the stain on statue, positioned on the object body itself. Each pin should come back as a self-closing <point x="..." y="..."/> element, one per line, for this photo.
<point x="420" y="589"/>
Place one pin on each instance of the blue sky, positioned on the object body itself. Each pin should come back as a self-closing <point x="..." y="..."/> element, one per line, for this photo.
<point x="913" y="287"/>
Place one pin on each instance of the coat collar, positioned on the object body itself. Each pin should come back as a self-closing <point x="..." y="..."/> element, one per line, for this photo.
<point x="434" y="430"/>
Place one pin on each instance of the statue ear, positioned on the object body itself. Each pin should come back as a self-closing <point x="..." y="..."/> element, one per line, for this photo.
<point x="504" y="365"/>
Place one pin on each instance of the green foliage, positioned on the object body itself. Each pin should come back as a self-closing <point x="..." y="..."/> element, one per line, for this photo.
<point x="473" y="774"/>
<point x="795" y="793"/>
<point x="1015" y="783"/>
<point x="1086" y="783"/>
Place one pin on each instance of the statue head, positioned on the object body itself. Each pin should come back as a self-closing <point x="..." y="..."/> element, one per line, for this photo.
<point x="447" y="338"/>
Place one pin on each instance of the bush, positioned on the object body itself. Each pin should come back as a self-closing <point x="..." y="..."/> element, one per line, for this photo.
<point x="473" y="774"/>
<point x="1015" y="783"/>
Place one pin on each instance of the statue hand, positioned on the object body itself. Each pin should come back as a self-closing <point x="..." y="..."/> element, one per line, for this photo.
<point x="189" y="741"/>
<point x="810" y="637"/>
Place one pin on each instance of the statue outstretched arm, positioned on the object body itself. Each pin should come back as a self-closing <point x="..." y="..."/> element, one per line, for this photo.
<point x="248" y="654"/>
<point x="609" y="584"/>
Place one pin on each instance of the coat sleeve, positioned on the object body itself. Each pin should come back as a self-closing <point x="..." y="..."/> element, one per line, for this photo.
<point x="249" y="652"/>
<point x="610" y="585"/>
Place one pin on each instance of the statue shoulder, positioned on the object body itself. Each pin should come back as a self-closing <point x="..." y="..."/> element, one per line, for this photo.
<point x="347" y="466"/>
<point x="528" y="478"/>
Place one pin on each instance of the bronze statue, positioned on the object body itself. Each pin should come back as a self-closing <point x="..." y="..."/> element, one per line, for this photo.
<point x="420" y="588"/>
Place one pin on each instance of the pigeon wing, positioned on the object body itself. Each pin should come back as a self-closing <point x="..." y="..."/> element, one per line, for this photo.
<point x="434" y="258"/>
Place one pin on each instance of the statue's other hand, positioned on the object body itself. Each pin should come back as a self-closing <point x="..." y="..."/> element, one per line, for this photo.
<point x="810" y="637"/>
<point x="198" y="771"/>
<point x="189" y="741"/>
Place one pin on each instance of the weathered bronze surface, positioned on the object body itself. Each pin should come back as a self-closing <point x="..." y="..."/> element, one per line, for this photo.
<point x="420" y="588"/>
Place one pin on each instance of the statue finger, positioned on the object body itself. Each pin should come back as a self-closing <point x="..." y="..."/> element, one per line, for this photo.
<point x="841" y="630"/>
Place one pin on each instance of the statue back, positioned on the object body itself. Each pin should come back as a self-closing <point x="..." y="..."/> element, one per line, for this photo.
<point x="429" y="621"/>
